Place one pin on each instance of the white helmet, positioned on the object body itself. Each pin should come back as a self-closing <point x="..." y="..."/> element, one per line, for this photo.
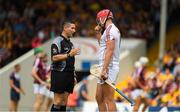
<point x="143" y="60"/>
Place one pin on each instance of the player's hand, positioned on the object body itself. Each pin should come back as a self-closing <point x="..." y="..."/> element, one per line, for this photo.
<point x="22" y="91"/>
<point x="48" y="85"/>
<point x="43" y="83"/>
<point x="97" y="32"/>
<point x="18" y="90"/>
<point x="75" y="81"/>
<point x="74" y="51"/>
<point x="104" y="75"/>
<point x="97" y="29"/>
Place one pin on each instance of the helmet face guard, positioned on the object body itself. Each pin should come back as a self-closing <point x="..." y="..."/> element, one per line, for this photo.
<point x="101" y="21"/>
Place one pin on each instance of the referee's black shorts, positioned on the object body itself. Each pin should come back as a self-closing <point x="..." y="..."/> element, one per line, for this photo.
<point x="62" y="81"/>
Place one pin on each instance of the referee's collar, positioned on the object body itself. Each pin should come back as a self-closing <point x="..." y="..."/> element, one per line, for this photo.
<point x="68" y="39"/>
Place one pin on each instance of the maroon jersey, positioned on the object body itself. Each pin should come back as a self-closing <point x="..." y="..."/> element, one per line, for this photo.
<point x="41" y="70"/>
<point x="141" y="77"/>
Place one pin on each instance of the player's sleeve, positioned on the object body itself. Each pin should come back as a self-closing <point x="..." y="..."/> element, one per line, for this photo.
<point x="54" y="50"/>
<point x="11" y="77"/>
<point x="36" y="63"/>
<point x="109" y="34"/>
<point x="48" y="69"/>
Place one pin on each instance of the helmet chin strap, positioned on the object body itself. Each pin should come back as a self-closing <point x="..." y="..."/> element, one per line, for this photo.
<point x="103" y="25"/>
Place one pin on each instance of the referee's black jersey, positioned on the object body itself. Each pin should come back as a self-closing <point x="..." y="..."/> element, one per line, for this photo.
<point x="62" y="45"/>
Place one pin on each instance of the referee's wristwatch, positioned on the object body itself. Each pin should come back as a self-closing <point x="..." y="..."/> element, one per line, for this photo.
<point x="68" y="55"/>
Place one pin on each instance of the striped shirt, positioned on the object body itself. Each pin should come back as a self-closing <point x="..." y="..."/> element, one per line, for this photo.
<point x="110" y="33"/>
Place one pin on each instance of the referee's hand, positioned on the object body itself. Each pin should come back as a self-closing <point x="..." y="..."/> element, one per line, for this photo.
<point x="74" y="51"/>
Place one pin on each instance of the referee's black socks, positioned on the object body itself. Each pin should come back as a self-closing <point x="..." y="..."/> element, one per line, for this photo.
<point x="55" y="108"/>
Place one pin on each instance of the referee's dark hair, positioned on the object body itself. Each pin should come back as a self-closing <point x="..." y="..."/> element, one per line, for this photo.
<point x="67" y="23"/>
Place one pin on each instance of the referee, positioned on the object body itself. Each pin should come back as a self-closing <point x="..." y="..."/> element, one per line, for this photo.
<point x="62" y="67"/>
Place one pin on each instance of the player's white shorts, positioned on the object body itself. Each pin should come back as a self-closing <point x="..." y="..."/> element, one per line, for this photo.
<point x="49" y="93"/>
<point x="39" y="89"/>
<point x="112" y="75"/>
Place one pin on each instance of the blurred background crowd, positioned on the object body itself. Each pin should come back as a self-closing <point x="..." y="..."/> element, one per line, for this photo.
<point x="27" y="24"/>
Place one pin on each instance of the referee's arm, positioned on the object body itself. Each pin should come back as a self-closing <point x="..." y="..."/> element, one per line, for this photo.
<point x="55" y="55"/>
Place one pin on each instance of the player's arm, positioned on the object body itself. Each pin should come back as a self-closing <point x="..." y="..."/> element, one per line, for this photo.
<point x="108" y="53"/>
<point x="98" y="32"/>
<point x="34" y="72"/>
<point x="12" y="85"/>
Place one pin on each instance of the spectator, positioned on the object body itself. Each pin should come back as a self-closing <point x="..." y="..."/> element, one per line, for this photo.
<point x="176" y="99"/>
<point x="160" y="76"/>
<point x="177" y="66"/>
<point x="177" y="82"/>
<point x="176" y="95"/>
<point x="168" y="75"/>
<point x="36" y="42"/>
<point x="167" y="60"/>
<point x="3" y="13"/>
<point x="29" y="11"/>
